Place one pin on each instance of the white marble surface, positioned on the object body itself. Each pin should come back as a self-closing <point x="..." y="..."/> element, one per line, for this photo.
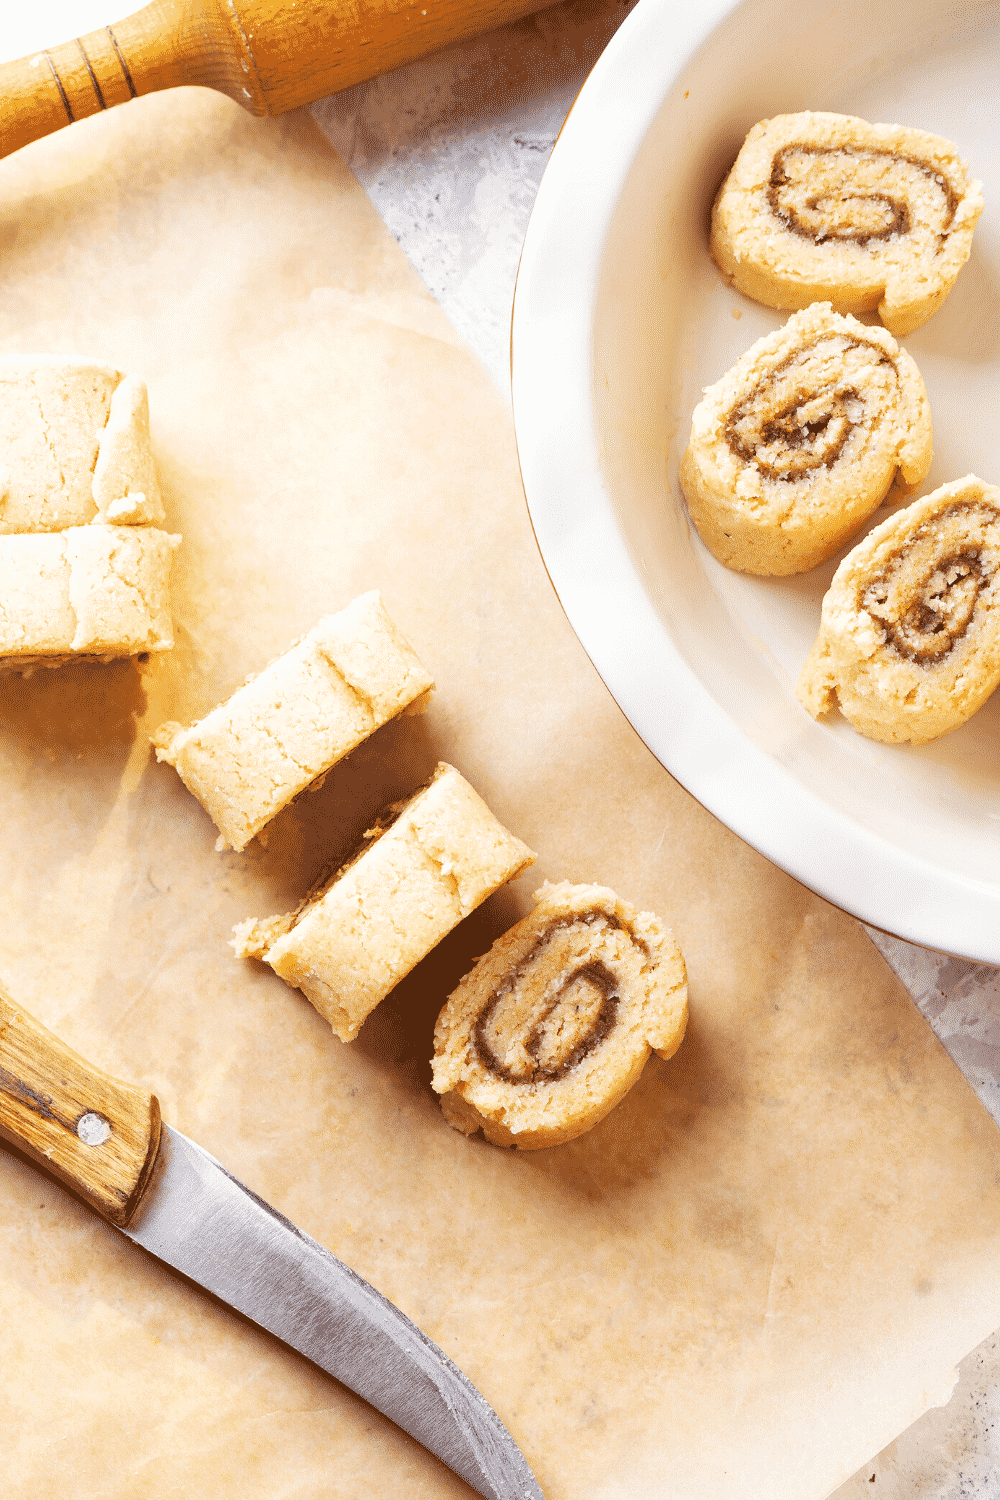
<point x="451" y="151"/>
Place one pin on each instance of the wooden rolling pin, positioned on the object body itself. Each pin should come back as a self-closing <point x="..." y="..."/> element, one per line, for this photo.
<point x="268" y="55"/>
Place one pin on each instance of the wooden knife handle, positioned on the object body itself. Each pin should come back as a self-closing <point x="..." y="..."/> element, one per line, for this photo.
<point x="268" y="55"/>
<point x="96" y="1134"/>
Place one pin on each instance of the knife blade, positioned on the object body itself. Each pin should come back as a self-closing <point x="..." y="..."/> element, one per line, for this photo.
<point x="105" y="1140"/>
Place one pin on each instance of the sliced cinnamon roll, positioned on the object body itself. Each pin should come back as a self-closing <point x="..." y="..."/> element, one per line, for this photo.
<point x="74" y="445"/>
<point x="827" y="208"/>
<point x="802" y="440"/>
<point x="554" y="1025"/>
<point x="909" y="644"/>
<point x="427" y="863"/>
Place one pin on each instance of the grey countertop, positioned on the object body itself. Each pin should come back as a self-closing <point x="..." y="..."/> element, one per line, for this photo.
<point x="451" y="151"/>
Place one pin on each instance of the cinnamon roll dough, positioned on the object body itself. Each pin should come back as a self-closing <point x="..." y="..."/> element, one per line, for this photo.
<point x="828" y="208"/>
<point x="89" y="591"/>
<point x="74" y="445"/>
<point x="909" y="644"/>
<point x="428" y="863"/>
<point x="285" y="728"/>
<point x="802" y="440"/>
<point x="555" y="1024"/>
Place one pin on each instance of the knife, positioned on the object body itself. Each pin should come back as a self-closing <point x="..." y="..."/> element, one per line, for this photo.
<point x="104" y="1139"/>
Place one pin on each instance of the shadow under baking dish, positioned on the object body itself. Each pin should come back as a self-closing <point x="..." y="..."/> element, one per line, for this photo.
<point x="621" y="319"/>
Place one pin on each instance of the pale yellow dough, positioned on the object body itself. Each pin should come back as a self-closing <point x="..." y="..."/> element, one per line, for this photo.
<point x="827" y="208"/>
<point x="74" y="445"/>
<point x="430" y="862"/>
<point x="277" y="734"/>
<point x="796" y="446"/>
<point x="909" y="643"/>
<point x="555" y="1024"/>
<point x="87" y="591"/>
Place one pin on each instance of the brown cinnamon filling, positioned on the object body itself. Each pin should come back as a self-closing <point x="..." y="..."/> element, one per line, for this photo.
<point x="925" y="602"/>
<point x="859" y="198"/>
<point x="786" y="427"/>
<point x="574" y="1020"/>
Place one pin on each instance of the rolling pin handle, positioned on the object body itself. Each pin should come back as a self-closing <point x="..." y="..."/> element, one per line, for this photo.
<point x="167" y="44"/>
<point x="269" y="55"/>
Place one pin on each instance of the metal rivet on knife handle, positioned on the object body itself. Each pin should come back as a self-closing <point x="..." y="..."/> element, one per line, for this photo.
<point x="97" y="1135"/>
<point x="269" y="55"/>
<point x="93" y="1129"/>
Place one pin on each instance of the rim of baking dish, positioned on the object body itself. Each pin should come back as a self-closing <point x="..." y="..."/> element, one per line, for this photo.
<point x="586" y="555"/>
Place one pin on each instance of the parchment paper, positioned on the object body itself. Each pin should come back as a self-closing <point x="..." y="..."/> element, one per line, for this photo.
<point x="760" y="1268"/>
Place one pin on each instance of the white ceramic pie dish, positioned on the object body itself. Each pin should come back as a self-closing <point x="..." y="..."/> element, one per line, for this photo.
<point x="621" y="318"/>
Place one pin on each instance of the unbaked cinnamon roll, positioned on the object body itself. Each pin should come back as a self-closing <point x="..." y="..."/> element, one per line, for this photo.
<point x="909" y="644"/>
<point x="428" y="862"/>
<point x="827" y="208"/>
<point x="554" y="1025"/>
<point x="802" y="440"/>
<point x="74" y="445"/>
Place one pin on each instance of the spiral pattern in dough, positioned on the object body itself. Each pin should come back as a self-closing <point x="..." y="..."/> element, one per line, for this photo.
<point x="909" y="644"/>
<point x="824" y="207"/>
<point x="802" y="440"/>
<point x="554" y="1025"/>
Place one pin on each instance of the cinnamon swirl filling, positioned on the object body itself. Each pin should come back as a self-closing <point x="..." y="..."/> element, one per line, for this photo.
<point x="566" y="1028"/>
<point x="926" y="602"/>
<point x="537" y="1027"/>
<point x="789" y="425"/>
<point x="850" y="195"/>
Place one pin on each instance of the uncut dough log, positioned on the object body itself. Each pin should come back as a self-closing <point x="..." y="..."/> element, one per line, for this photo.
<point x="796" y="446"/>
<point x="74" y="445"/>
<point x="555" y="1024"/>
<point x="87" y="591"/>
<point x="909" y="644"/>
<point x="429" y="862"/>
<point x="828" y="208"/>
<point x="286" y="727"/>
